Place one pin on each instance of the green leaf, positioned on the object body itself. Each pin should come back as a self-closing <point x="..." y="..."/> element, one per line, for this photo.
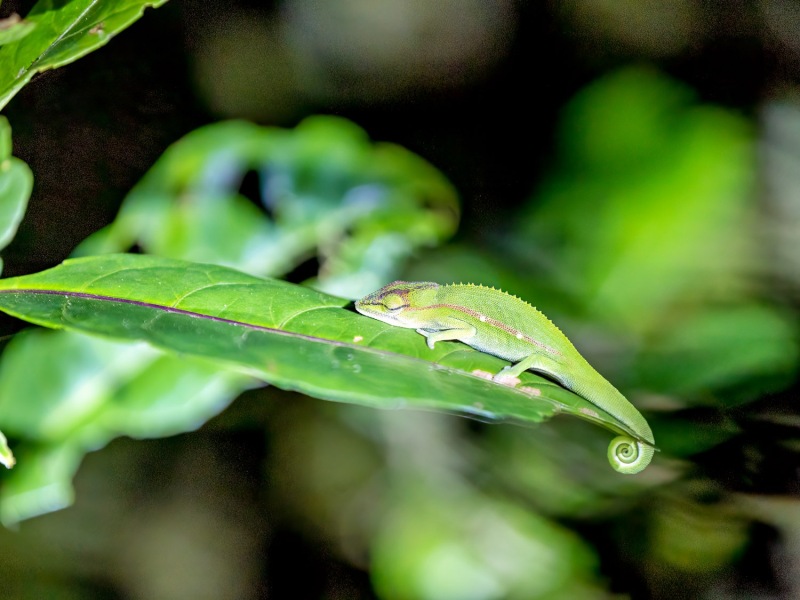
<point x="291" y="336"/>
<point x="85" y="394"/>
<point x="16" y="184"/>
<point x="62" y="32"/>
<point x="45" y="487"/>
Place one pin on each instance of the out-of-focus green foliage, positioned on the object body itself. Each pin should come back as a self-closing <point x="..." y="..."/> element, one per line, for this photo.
<point x="92" y="390"/>
<point x="13" y="28"/>
<point x="16" y="184"/>
<point x="448" y="541"/>
<point x="649" y="222"/>
<point x="697" y="538"/>
<point x="426" y="507"/>
<point x="6" y="456"/>
<point x="56" y="33"/>
<point x="743" y="350"/>
<point x="361" y="209"/>
<point x="648" y="208"/>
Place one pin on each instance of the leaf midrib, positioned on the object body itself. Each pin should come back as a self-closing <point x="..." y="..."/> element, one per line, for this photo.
<point x="181" y="311"/>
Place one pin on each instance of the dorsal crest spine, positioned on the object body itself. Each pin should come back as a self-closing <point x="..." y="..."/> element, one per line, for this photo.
<point x="506" y="294"/>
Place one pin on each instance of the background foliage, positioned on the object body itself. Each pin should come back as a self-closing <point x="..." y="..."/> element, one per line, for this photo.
<point x="629" y="168"/>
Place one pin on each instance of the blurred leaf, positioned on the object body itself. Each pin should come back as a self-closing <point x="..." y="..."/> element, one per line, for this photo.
<point x="13" y="28"/>
<point x="324" y="461"/>
<point x="454" y="544"/>
<point x="684" y="435"/>
<point x="90" y="391"/>
<point x="44" y="485"/>
<point x="697" y="537"/>
<point x="6" y="456"/>
<point x="16" y="184"/>
<point x="558" y="472"/>
<point x="648" y="207"/>
<point x="362" y="209"/>
<point x="86" y="394"/>
<point x="746" y="350"/>
<point x="61" y="32"/>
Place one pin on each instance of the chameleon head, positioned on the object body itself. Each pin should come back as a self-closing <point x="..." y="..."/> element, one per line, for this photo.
<point x="389" y="303"/>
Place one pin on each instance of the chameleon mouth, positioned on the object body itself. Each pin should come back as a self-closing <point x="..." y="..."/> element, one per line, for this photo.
<point x="376" y="311"/>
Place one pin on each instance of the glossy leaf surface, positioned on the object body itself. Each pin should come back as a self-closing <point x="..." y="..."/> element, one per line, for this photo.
<point x="291" y="336"/>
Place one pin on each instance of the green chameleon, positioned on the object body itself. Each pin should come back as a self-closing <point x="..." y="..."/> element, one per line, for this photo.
<point x="497" y="323"/>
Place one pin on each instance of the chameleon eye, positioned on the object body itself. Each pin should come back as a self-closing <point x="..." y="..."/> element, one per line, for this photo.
<point x="394" y="302"/>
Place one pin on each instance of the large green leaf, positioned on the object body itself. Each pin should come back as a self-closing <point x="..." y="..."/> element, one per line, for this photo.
<point x="58" y="32"/>
<point x="291" y="336"/>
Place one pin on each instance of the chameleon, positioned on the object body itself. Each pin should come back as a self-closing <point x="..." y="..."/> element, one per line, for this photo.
<point x="505" y="326"/>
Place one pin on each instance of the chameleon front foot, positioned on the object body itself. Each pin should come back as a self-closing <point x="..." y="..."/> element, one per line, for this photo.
<point x="628" y="455"/>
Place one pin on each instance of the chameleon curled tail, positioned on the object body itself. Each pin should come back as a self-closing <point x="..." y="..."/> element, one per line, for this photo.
<point x="628" y="455"/>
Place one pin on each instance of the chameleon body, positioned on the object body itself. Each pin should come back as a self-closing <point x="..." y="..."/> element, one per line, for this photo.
<point x="505" y="326"/>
